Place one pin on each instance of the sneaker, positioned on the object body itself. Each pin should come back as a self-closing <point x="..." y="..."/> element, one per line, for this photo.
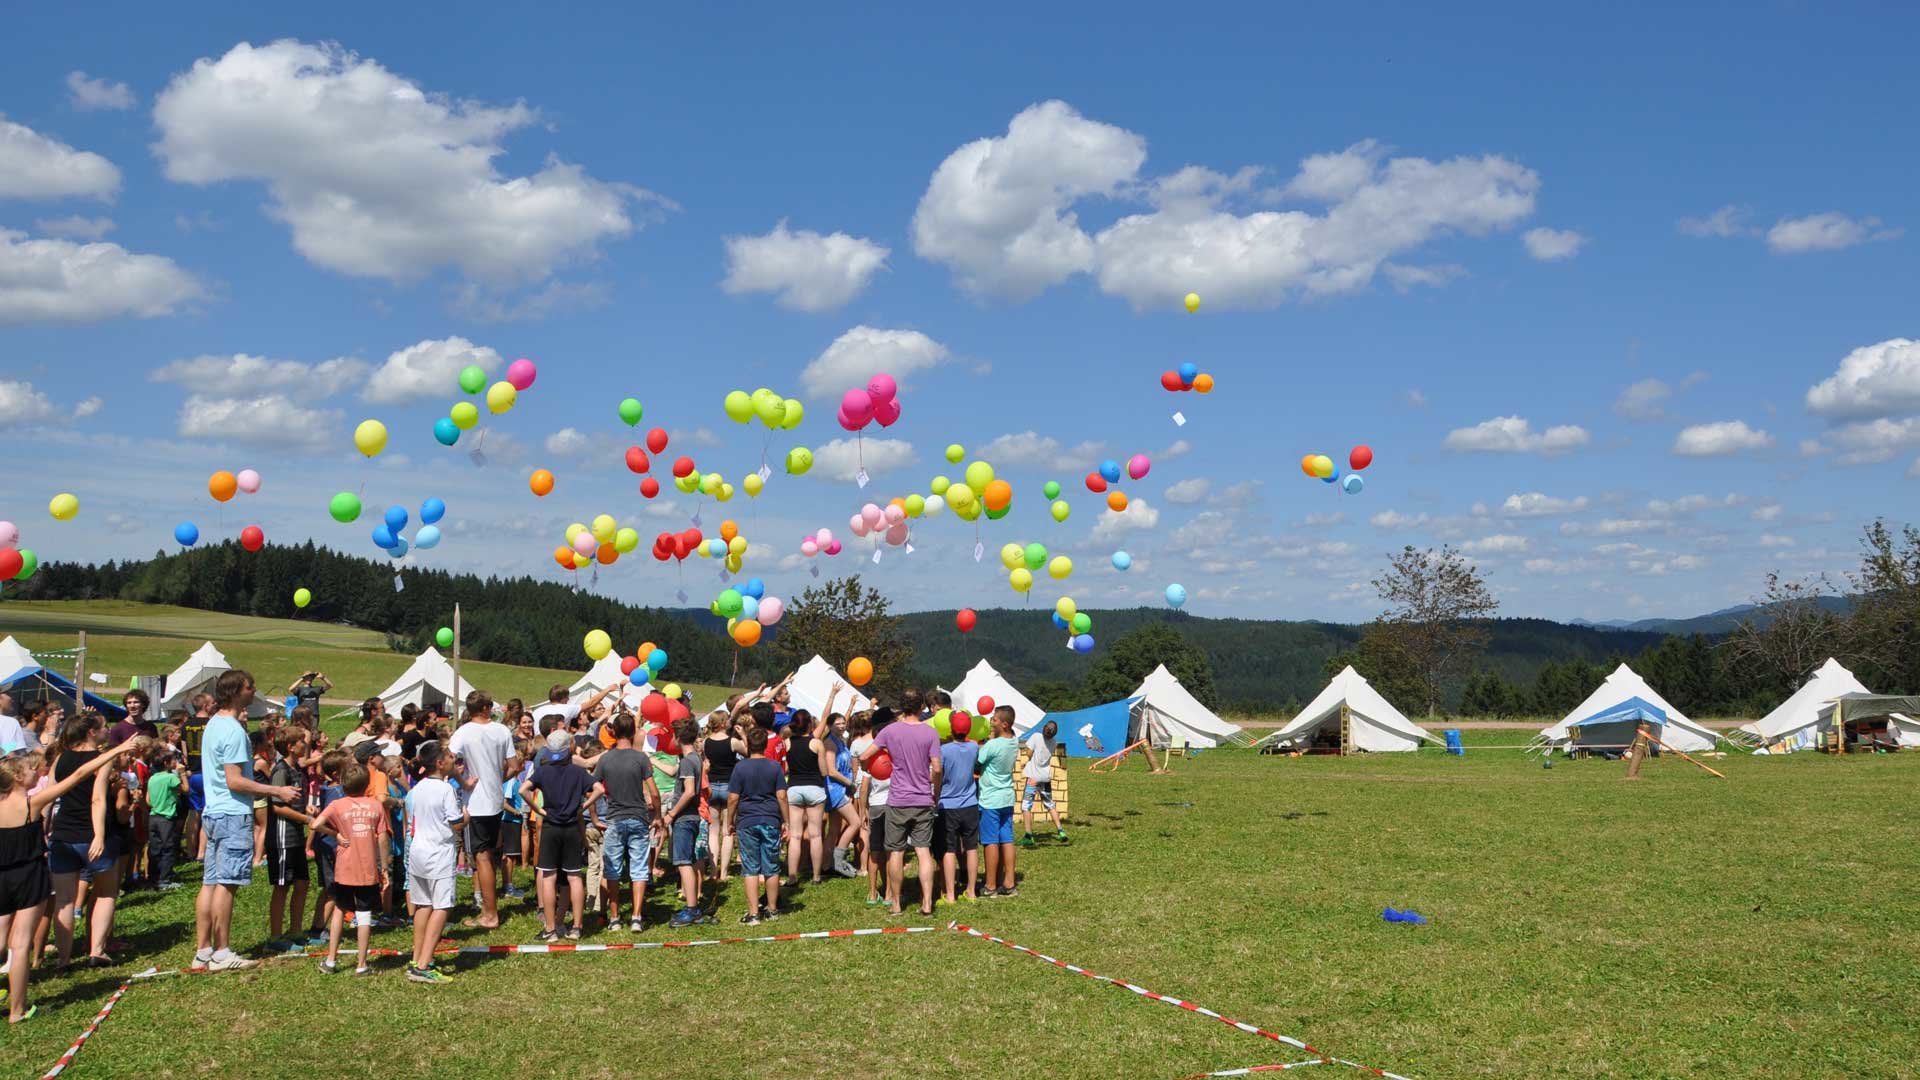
<point x="328" y="967"/>
<point x="546" y="935"/>
<point x="1010" y="891"/>
<point x="775" y="913"/>
<point x="637" y="926"/>
<point x="233" y="962"/>
<point x="573" y="933"/>
<point x="168" y="886"/>
<point x="199" y="964"/>
<point x="1027" y="840"/>
<point x="317" y="939"/>
<point x="1061" y="836"/>
<point x="684" y="917"/>
<point x="363" y="971"/>
<point x="751" y="918"/>
<point x="514" y="893"/>
<point x="429" y="975"/>
<point x="289" y="947"/>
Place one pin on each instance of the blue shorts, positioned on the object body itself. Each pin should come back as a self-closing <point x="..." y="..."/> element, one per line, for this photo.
<point x="686" y="836"/>
<point x="760" y="850"/>
<point x="229" y="858"/>
<point x="196" y="792"/>
<point x="71" y="858"/>
<point x="718" y="796"/>
<point x="836" y="797"/>
<point x="628" y="844"/>
<point x="1041" y="788"/>
<point x="996" y="825"/>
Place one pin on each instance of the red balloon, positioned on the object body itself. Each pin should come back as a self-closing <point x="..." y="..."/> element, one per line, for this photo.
<point x="11" y="563"/>
<point x="1361" y="457"/>
<point x="681" y="549"/>
<point x="252" y="538"/>
<point x="880" y="766"/>
<point x="653" y="709"/>
<point x="682" y="466"/>
<point x="1170" y="380"/>
<point x="637" y="459"/>
<point x="693" y="537"/>
<point x="656" y="440"/>
<point x="627" y="664"/>
<point x="984" y="706"/>
<point x="649" y="487"/>
<point x="966" y="619"/>
<point x="1096" y="483"/>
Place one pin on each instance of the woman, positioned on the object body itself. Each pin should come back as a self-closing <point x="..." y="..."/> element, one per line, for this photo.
<point x="42" y="724"/>
<point x="806" y="795"/>
<point x="722" y="750"/>
<point x="82" y="847"/>
<point x="836" y="762"/>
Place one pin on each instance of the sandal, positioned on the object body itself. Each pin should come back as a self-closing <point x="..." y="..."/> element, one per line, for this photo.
<point x="25" y="1016"/>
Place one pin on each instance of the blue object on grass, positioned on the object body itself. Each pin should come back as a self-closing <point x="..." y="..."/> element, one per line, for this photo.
<point x="1407" y="916"/>
<point x="1454" y="745"/>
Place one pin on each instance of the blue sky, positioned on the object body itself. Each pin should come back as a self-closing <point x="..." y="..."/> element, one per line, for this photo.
<point x="1622" y="306"/>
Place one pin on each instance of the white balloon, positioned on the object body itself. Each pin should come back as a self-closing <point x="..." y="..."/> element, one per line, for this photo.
<point x="935" y="504"/>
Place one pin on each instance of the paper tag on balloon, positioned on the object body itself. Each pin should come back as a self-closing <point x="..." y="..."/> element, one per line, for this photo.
<point x="479" y="459"/>
<point x="1180" y="419"/>
<point x="681" y="596"/>
<point x="909" y="549"/>
<point x="814" y="570"/>
<point x="979" y="551"/>
<point x="398" y="583"/>
<point x="696" y="519"/>
<point x="94" y="676"/>
<point x="861" y="477"/>
<point x="765" y="471"/>
<point x="724" y="576"/>
<point x="876" y="555"/>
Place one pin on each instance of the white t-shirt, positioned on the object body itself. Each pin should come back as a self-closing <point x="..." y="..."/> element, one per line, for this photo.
<point x="485" y="746"/>
<point x="12" y="735"/>
<point x="565" y="710"/>
<point x="1040" y="765"/>
<point x="877" y="789"/>
<point x="432" y="808"/>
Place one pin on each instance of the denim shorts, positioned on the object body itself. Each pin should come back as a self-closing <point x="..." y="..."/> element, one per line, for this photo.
<point x="628" y="844"/>
<point x="807" y="795"/>
<point x="718" y="796"/>
<point x="686" y="836"/>
<point x="229" y="858"/>
<point x="760" y="850"/>
<point x="71" y="858"/>
<point x="1041" y="788"/>
<point x="996" y="825"/>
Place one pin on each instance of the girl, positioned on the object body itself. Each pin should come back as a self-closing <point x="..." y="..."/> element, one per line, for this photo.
<point x="722" y="750"/>
<point x="82" y="847"/>
<point x="873" y="796"/>
<point x="806" y="795"/>
<point x="25" y="882"/>
<point x="836" y="762"/>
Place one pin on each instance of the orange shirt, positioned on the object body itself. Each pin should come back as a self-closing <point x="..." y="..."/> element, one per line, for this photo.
<point x="362" y="823"/>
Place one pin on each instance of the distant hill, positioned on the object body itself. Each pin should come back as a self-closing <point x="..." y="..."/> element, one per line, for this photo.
<point x="1712" y="624"/>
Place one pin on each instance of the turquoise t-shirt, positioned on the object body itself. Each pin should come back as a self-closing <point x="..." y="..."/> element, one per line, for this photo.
<point x="225" y="743"/>
<point x="996" y="773"/>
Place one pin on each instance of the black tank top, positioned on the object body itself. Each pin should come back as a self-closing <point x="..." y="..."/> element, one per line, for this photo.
<point x="803" y="765"/>
<point x="22" y="845"/>
<point x="720" y="759"/>
<point x="73" y="816"/>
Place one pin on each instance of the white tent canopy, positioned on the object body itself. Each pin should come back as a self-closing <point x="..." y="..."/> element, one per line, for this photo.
<point x="984" y="681"/>
<point x="1680" y="732"/>
<point x="1164" y="701"/>
<point x="1373" y="724"/>
<point x="604" y="673"/>
<point x="815" y="679"/>
<point x="14" y="659"/>
<point x="429" y="681"/>
<point x="1791" y="726"/>
<point x="200" y="672"/>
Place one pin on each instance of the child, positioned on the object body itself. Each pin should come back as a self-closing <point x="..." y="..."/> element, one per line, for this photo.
<point x="959" y="806"/>
<point x="873" y="795"/>
<point x="996" y="802"/>
<point x="757" y="811"/>
<point x="434" y="822"/>
<point x="166" y="810"/>
<point x="323" y="851"/>
<point x="563" y="789"/>
<point x="359" y="868"/>
<point x="684" y="822"/>
<point x="1039" y="776"/>
<point x="587" y="751"/>
<point x="513" y="818"/>
<point x="286" y="842"/>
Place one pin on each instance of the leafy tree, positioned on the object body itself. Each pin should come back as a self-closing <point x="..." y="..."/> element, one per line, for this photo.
<point x="1055" y="695"/>
<point x="1488" y="694"/>
<point x="1435" y="622"/>
<point x="1134" y="655"/>
<point x="1788" y="633"/>
<point x="842" y="619"/>
<point x="1884" y="628"/>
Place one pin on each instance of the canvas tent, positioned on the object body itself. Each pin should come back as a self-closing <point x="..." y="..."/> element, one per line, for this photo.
<point x="814" y="680"/>
<point x="429" y="681"/>
<point x="201" y="671"/>
<point x="28" y="680"/>
<point x="984" y="681"/>
<point x="1791" y="726"/>
<point x="1351" y="715"/>
<point x="1160" y="699"/>
<point x="1096" y="732"/>
<point x="1678" y="732"/>
<point x="604" y="673"/>
<point x="1614" y="728"/>
<point x="1882" y="719"/>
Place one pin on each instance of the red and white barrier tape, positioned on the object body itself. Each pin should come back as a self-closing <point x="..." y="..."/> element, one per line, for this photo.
<point x="1176" y="1002"/>
<point x="73" y="1051"/>
<point x="1251" y="1069"/>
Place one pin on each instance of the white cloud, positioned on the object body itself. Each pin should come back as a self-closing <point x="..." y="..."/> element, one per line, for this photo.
<point x="1728" y="221"/>
<point x="1137" y="517"/>
<point x="1498" y="544"/>
<point x="87" y="407"/>
<point x="1538" y="504"/>
<point x="1830" y="231"/>
<point x="1180" y="448"/>
<point x="699" y="438"/>
<point x="1189" y="491"/>
<point x="1720" y="438"/>
<point x="1415" y="398"/>
<point x="1032" y="449"/>
<point x="1770" y="512"/>
<point x="598" y="449"/>
<point x="566" y="442"/>
<point x="1405" y="278"/>
<point x="59" y="281"/>
<point x="842" y="459"/>
<point x="1545" y="566"/>
<point x="1644" y="400"/>
<point x="998" y="210"/>
<point x="123" y="525"/>
<point x="268" y="420"/>
<point x="1689" y="504"/>
<point x="1514" y="435"/>
<point x="1874" y="380"/>
<point x="36" y="166"/>
<point x="1334" y="518"/>
<point x="223" y="375"/>
<point x="1610" y="527"/>
<point x="490" y="305"/>
<point x="863" y="352"/>
<point x="86" y="93"/>
<point x="75" y="227"/>
<point x="1394" y="519"/>
<point x="1775" y="540"/>
<point x="1553" y="245"/>
<point x="23" y="406"/>
<point x="805" y="270"/>
<point x="1874" y="441"/>
<point x="427" y="369"/>
<point x="377" y="177"/>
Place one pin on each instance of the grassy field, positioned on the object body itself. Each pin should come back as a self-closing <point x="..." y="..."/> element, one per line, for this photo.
<point x="125" y="639"/>
<point x="1582" y="926"/>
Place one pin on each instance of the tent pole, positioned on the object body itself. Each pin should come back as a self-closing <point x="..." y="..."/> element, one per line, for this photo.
<point x="1682" y="754"/>
<point x="462" y="701"/>
<point x="80" y="676"/>
<point x="1346" y="730"/>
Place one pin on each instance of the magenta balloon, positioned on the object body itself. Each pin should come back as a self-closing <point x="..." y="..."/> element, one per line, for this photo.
<point x="881" y="388"/>
<point x="850" y="423"/>
<point x="833" y="548"/>
<point x="857" y="404"/>
<point x="887" y="412"/>
<point x="771" y="608"/>
<point x="521" y="373"/>
<point x="1138" y="465"/>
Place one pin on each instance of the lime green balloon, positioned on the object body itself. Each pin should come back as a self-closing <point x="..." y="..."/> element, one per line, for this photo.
<point x="725" y="493"/>
<point x="302" y="597"/>
<point x="345" y="508"/>
<point x="915" y="505"/>
<point x="630" y="411"/>
<point x="1061" y="509"/>
<point x="969" y="512"/>
<point x="799" y="460"/>
<point x="626" y="540"/>
<point x="444" y="637"/>
<point x="465" y="414"/>
<point x="979" y="475"/>
<point x="473" y="378"/>
<point x="730" y="603"/>
<point x="1082" y="623"/>
<point x="1036" y="556"/>
<point x="954" y="453"/>
<point x="1051" y="490"/>
<point x="687" y="484"/>
<point x="1059" y="568"/>
<point x="996" y="515"/>
<point x="710" y="483"/>
<point x="940" y="485"/>
<point x="739" y="407"/>
<point x="795" y="411"/>
<point x="1012" y="556"/>
<point x="771" y="410"/>
<point x="29" y="562"/>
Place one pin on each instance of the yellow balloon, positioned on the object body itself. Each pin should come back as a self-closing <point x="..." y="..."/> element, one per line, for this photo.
<point x="959" y="496"/>
<point x="63" y="507"/>
<point x="737" y="546"/>
<point x="598" y="644"/>
<point x="687" y="484"/>
<point x="725" y="493"/>
<point x="733" y="564"/>
<point x="501" y="396"/>
<point x="581" y="562"/>
<point x="1059" y="568"/>
<point x="1066" y="608"/>
<point x="795" y="411"/>
<point x="752" y="485"/>
<point x="1012" y="556"/>
<point x="370" y="437"/>
<point x="710" y="484"/>
<point x="574" y="530"/>
<point x="465" y="414"/>
<point x="1322" y="466"/>
<point x="979" y="475"/>
<point x="1021" y="579"/>
<point x="1193" y="302"/>
<point x="604" y="527"/>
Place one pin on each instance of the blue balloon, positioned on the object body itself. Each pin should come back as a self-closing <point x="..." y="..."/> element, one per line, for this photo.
<point x="1333" y="479"/>
<point x="1176" y="595"/>
<point x="396" y="518"/>
<point x="1353" y="485"/>
<point x="446" y="431"/>
<point x="399" y="548"/>
<point x="383" y="537"/>
<point x="754" y="588"/>
<point x="638" y="676"/>
<point x="657" y="659"/>
<point x="1122" y="560"/>
<point x="1082" y="643"/>
<point x="750" y="607"/>
<point x="1060" y="623"/>
<point x="1110" y="471"/>
<point x="186" y="533"/>
<point x="426" y="536"/>
<point x="1188" y="371"/>
<point x="432" y="511"/>
<point x="717" y="547"/>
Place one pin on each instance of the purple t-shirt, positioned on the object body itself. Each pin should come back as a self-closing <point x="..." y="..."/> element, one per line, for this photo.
<point x="912" y="747"/>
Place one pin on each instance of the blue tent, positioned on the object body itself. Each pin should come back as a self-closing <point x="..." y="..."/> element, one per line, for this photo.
<point x="1104" y="727"/>
<point x="31" y="681"/>
<point x="1614" y="727"/>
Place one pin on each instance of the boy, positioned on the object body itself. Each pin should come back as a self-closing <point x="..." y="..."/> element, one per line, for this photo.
<point x="360" y="868"/>
<point x="286" y="842"/>
<point x="959" y="807"/>
<point x="996" y="802"/>
<point x="322" y="850"/>
<point x="684" y="822"/>
<point x="166" y="810"/>
<point x="634" y="812"/>
<point x="563" y="789"/>
<point x="1039" y="776"/>
<point x="587" y="751"/>
<point x="513" y="819"/>
<point x="757" y="808"/>
<point x="434" y="820"/>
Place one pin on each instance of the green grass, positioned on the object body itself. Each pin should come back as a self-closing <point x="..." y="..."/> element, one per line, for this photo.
<point x="1583" y="926"/>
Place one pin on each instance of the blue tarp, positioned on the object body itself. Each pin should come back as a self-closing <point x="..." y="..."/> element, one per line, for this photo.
<point x="37" y="682"/>
<point x="1631" y="711"/>
<point x="1108" y="723"/>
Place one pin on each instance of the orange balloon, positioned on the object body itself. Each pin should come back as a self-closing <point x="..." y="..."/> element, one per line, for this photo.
<point x="998" y="496"/>
<point x="606" y="554"/>
<point x="1116" y="500"/>
<point x="860" y="671"/>
<point x="645" y="650"/>
<point x="1203" y="383"/>
<point x="728" y="530"/>
<point x="564" y="556"/>
<point x="1306" y="466"/>
<point x="541" y="482"/>
<point x="222" y="485"/>
<point x="746" y="633"/>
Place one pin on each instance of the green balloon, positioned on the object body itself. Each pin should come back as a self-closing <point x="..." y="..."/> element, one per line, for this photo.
<point x="795" y="411"/>
<point x="630" y="411"/>
<point x="799" y="460"/>
<point x="1036" y="556"/>
<point x="996" y="515"/>
<point x="1052" y="490"/>
<point x="1082" y="623"/>
<point x="473" y="378"/>
<point x="345" y="508"/>
<point x="444" y="638"/>
<point x="770" y="409"/>
<point x="730" y="603"/>
<point x="940" y="485"/>
<point x="29" y="562"/>
<point x="738" y="407"/>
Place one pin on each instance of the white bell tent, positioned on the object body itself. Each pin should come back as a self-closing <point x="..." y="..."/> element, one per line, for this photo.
<point x="984" y="681"/>
<point x="200" y="672"/>
<point x="1355" y="716"/>
<point x="1791" y="726"/>
<point x="815" y="679"/>
<point x="1161" y="700"/>
<point x="429" y="681"/>
<point x="1624" y="684"/>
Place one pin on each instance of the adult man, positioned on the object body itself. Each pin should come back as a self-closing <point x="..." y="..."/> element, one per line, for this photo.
<point x="483" y="744"/>
<point x="12" y="735"/>
<point x="557" y="705"/>
<point x="915" y="752"/>
<point x="227" y="772"/>
<point x="306" y="690"/>
<point x="634" y="816"/>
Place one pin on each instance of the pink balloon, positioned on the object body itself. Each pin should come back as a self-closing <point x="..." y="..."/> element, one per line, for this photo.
<point x="895" y="514"/>
<point x="809" y="548"/>
<point x="521" y="373"/>
<point x="823" y="537"/>
<point x="887" y="412"/>
<point x="833" y="548"/>
<point x="771" y="608"/>
<point x="858" y="524"/>
<point x="872" y="516"/>
<point x="585" y="544"/>
<point x="248" y="481"/>
<point x="1138" y="465"/>
<point x="9" y="534"/>
<point x="897" y="535"/>
<point x="857" y="404"/>
<point x="881" y="388"/>
<point x="850" y="423"/>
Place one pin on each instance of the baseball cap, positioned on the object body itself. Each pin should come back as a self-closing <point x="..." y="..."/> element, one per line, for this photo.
<point x="560" y="741"/>
<point x="962" y="725"/>
<point x="366" y="750"/>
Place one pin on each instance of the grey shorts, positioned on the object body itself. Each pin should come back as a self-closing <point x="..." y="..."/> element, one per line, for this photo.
<point x="807" y="795"/>
<point x="909" y="827"/>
